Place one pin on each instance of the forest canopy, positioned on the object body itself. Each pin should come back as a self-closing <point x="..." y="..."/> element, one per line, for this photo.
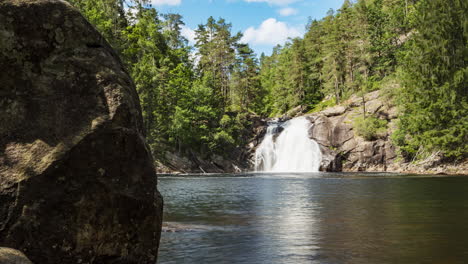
<point x="202" y="98"/>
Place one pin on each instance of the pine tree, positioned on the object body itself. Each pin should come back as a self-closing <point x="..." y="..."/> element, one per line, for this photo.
<point x="434" y="97"/>
<point x="216" y="49"/>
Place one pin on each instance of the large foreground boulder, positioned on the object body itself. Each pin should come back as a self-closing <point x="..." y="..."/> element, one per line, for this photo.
<point x="77" y="182"/>
<point x="12" y="256"/>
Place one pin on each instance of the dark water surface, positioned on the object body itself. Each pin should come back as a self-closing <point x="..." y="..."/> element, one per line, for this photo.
<point x="314" y="218"/>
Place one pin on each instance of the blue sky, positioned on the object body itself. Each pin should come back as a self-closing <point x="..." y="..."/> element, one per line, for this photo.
<point x="265" y="23"/>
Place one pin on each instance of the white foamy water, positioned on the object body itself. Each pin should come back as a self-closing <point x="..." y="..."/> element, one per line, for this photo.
<point x="291" y="151"/>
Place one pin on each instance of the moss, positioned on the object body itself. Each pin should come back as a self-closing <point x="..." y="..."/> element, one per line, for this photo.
<point x="322" y="105"/>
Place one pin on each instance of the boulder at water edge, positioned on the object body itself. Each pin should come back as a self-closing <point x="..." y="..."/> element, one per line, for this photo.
<point x="77" y="182"/>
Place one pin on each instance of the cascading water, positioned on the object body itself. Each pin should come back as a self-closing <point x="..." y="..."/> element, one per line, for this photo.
<point x="291" y="151"/>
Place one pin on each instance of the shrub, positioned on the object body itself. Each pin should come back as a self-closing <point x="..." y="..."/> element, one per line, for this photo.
<point x="370" y="128"/>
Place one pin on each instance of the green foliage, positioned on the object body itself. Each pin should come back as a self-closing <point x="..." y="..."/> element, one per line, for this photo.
<point x="389" y="88"/>
<point x="433" y="97"/>
<point x="285" y="77"/>
<point x="349" y="51"/>
<point x="370" y="128"/>
<point x="221" y="139"/>
<point x="414" y="51"/>
<point x="230" y="133"/>
<point x="323" y="105"/>
<point x="108" y="16"/>
<point x="193" y="121"/>
<point x="190" y="107"/>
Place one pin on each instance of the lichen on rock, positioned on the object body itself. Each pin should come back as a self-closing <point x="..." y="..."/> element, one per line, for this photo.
<point x="12" y="256"/>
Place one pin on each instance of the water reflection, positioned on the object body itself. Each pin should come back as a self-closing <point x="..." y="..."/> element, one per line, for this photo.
<point x="314" y="218"/>
<point x="396" y="221"/>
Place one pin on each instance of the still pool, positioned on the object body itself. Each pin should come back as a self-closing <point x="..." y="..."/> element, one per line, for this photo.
<point x="314" y="218"/>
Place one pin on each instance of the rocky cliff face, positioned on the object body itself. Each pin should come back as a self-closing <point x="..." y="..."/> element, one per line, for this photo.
<point x="344" y="150"/>
<point x="238" y="160"/>
<point x="77" y="182"/>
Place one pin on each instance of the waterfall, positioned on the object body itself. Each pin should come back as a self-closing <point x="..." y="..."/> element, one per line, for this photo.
<point x="290" y="151"/>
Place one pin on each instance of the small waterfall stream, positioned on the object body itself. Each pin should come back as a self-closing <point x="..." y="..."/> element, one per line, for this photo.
<point x="290" y="151"/>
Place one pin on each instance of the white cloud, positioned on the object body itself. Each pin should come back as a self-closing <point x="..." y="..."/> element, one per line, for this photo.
<point x="166" y="2"/>
<point x="188" y="33"/>
<point x="287" y="11"/>
<point x="270" y="32"/>
<point x="274" y="2"/>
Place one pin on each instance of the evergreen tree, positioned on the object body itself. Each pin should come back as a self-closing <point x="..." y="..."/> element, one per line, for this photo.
<point x="216" y="49"/>
<point x="108" y="16"/>
<point x="246" y="91"/>
<point x="434" y="95"/>
<point x="204" y="106"/>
